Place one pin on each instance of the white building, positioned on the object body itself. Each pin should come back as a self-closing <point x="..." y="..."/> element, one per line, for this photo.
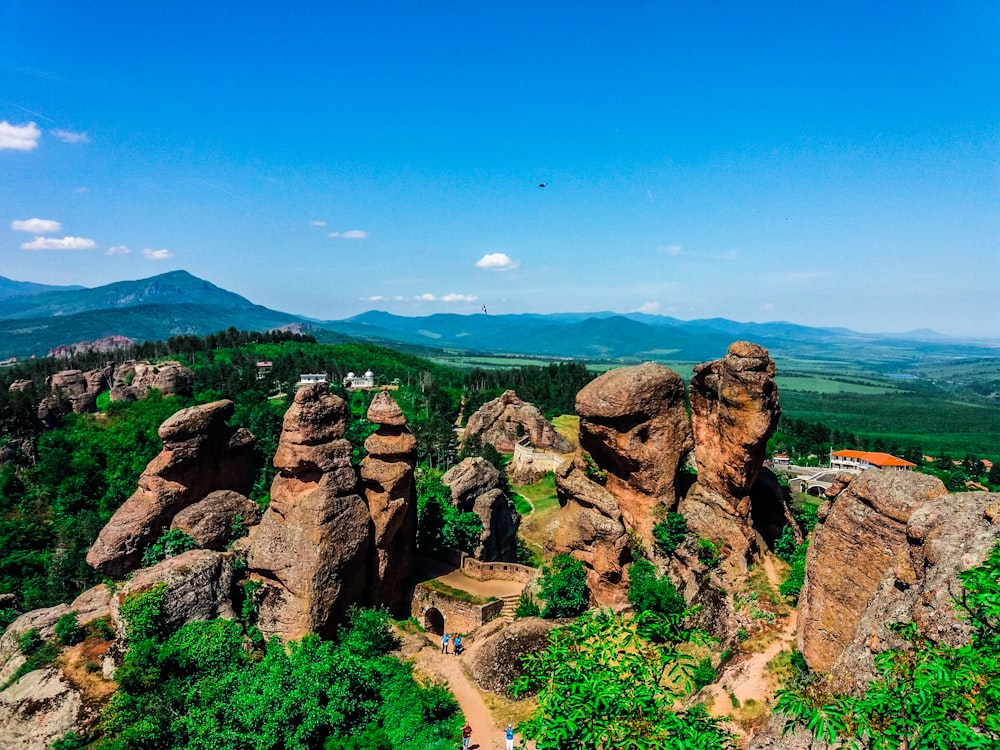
<point x="363" y="381"/>
<point x="309" y="378"/>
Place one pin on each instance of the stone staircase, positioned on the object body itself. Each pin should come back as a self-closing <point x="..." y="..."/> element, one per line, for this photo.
<point x="509" y="606"/>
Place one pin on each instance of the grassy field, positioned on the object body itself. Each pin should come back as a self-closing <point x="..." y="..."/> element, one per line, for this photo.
<point x="543" y="506"/>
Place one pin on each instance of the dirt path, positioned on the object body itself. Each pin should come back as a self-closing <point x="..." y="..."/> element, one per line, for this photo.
<point x="448" y="668"/>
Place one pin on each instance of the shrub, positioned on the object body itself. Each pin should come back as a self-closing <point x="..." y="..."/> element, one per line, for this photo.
<point x="7" y="616"/>
<point x="708" y="553"/>
<point x="797" y="574"/>
<point x="670" y="532"/>
<point x="527" y="606"/>
<point x="651" y="592"/>
<point x="68" y="629"/>
<point x="704" y="674"/>
<point x="30" y="641"/>
<point x="563" y="586"/>
<point x="592" y="470"/>
<point x="172" y="542"/>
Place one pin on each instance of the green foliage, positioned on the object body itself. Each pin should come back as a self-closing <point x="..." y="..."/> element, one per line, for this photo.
<point x="30" y="641"/>
<point x="651" y="592"/>
<point x="563" y="587"/>
<point x="792" y="586"/>
<point x="171" y="543"/>
<point x="143" y="614"/>
<point x="670" y="532"/>
<point x="708" y="552"/>
<point x="784" y="545"/>
<point x="7" y="616"/>
<point x="552" y="388"/>
<point x="68" y="630"/>
<point x="601" y="684"/>
<point x="592" y="470"/>
<point x="441" y="525"/>
<point x="926" y="696"/>
<point x="527" y="606"/>
<point x="703" y="674"/>
<point x="199" y="689"/>
<point x="70" y="741"/>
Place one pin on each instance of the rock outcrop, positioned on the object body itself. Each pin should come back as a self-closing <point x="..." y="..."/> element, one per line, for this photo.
<point x="43" y="620"/>
<point x="635" y="429"/>
<point x="72" y="390"/>
<point x="197" y="587"/>
<point x="214" y="521"/>
<point x="476" y="486"/>
<point x="388" y="481"/>
<point x="39" y="709"/>
<point x="852" y="550"/>
<point x="200" y="454"/>
<point x="133" y="380"/>
<point x="496" y="662"/>
<point x="734" y="410"/>
<point x="312" y="546"/>
<point x="505" y="420"/>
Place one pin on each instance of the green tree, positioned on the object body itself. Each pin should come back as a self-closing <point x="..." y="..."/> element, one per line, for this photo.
<point x="601" y="684"/>
<point x="651" y="592"/>
<point x="563" y="587"/>
<point x="670" y="532"/>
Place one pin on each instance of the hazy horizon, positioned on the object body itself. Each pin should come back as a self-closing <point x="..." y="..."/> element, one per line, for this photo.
<point x="828" y="166"/>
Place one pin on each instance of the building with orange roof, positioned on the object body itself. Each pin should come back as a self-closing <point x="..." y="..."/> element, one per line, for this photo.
<point x="850" y="460"/>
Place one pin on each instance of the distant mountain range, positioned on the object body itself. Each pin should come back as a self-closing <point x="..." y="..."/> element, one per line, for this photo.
<point x="35" y="318"/>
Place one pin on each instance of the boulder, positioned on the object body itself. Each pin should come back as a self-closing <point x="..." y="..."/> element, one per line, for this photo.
<point x="853" y="548"/>
<point x="198" y="584"/>
<point x="476" y="486"/>
<point x="19" y="386"/>
<point x="132" y="380"/>
<point x="506" y="419"/>
<point x="390" y="492"/>
<point x="313" y="543"/>
<point x="72" y="390"/>
<point x="496" y="662"/>
<point x="734" y="410"/>
<point x="39" y="709"/>
<point x="634" y="425"/>
<point x="93" y="604"/>
<point x="43" y="620"/>
<point x="200" y="454"/>
<point x="212" y="522"/>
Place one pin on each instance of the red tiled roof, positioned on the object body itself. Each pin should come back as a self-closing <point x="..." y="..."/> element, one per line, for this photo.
<point x="876" y="459"/>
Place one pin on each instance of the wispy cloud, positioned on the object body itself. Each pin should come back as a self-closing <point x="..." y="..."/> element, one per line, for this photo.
<point x="650" y="308"/>
<point x="426" y="298"/>
<point x="118" y="250"/>
<point x="66" y="243"/>
<point x="19" y="137"/>
<point x="459" y="298"/>
<point x="150" y="254"/>
<point x="375" y="298"/>
<point x="669" y="249"/>
<point x="36" y="226"/>
<point x="317" y="223"/>
<point x="497" y="262"/>
<point x="68" y="136"/>
<point x="351" y="234"/>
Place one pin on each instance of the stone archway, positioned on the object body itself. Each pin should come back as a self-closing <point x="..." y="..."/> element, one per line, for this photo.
<point x="434" y="621"/>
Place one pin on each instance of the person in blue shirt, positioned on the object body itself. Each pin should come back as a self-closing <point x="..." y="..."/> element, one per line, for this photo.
<point x="457" y="640"/>
<point x="444" y="644"/>
<point x="509" y="737"/>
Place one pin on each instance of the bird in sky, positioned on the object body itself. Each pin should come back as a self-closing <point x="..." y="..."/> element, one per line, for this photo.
<point x="484" y="310"/>
<point x="542" y="184"/>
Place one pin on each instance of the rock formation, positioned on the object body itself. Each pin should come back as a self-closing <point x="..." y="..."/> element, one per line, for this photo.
<point x="212" y="522"/>
<point x="133" y="380"/>
<point x="388" y="481"/>
<point x="495" y="663"/>
<point x="200" y="454"/>
<point x="44" y="620"/>
<point x="476" y="486"/>
<point x="197" y="587"/>
<point x="505" y="420"/>
<point x="734" y="410"/>
<point x="313" y="543"/>
<point x="72" y="390"/>
<point x="38" y="710"/>
<point x="635" y="428"/>
<point x="105" y="344"/>
<point x="853" y="548"/>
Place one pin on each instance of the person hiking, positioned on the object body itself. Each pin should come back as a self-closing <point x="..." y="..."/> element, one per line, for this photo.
<point x="444" y="644"/>
<point x="466" y="736"/>
<point x="509" y="736"/>
<point x="457" y="640"/>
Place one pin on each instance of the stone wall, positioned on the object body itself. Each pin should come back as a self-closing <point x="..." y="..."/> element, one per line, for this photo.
<point x="459" y="616"/>
<point x="497" y="571"/>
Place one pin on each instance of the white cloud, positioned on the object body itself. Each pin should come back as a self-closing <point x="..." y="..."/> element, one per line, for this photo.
<point x="768" y="306"/>
<point x="150" y="254"/>
<point x="19" y="137"/>
<point x="66" y="243"/>
<point x="670" y="249"/>
<point x="375" y="298"/>
<point x="317" y="223"/>
<point x="650" y="308"/>
<point x="36" y="226"/>
<point x="118" y="250"/>
<point x="459" y="298"/>
<point x="497" y="262"/>
<point x="351" y="234"/>
<point x="399" y="298"/>
<point x="425" y="298"/>
<point x="68" y="136"/>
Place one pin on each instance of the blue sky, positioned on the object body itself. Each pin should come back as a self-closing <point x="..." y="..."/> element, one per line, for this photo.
<point x="823" y="163"/>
